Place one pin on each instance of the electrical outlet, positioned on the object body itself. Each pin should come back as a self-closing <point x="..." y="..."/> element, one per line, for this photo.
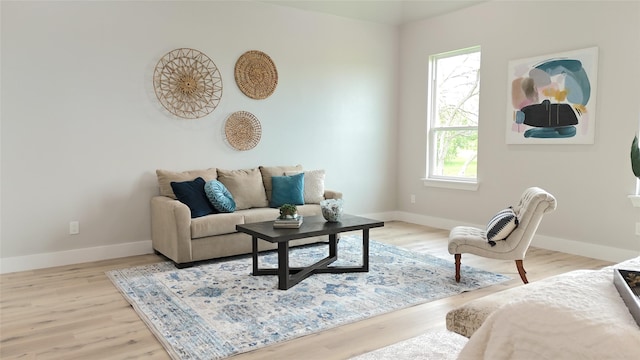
<point x="413" y="199"/>
<point x="74" y="227"/>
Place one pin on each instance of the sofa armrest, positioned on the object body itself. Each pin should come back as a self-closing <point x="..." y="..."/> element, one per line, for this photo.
<point x="330" y="194"/>
<point x="171" y="228"/>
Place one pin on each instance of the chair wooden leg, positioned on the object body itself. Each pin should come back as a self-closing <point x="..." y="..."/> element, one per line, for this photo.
<point x="521" y="271"/>
<point x="457" y="258"/>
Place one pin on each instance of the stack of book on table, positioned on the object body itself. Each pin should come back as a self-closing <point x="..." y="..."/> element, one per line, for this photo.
<point x="292" y="223"/>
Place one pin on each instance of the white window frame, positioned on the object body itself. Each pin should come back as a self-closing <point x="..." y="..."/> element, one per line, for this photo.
<point x="439" y="180"/>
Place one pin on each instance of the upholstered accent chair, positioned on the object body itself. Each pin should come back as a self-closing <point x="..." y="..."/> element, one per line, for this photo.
<point x="534" y="203"/>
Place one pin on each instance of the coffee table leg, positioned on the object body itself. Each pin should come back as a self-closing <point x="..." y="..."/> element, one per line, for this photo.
<point x="283" y="265"/>
<point x="254" y="252"/>
<point x="365" y="249"/>
<point x="333" y="246"/>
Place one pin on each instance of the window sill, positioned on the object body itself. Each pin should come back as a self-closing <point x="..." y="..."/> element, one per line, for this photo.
<point x="451" y="184"/>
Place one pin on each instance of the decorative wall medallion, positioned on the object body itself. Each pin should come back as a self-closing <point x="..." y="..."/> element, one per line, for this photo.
<point x="187" y="83"/>
<point x="256" y="74"/>
<point x="242" y="130"/>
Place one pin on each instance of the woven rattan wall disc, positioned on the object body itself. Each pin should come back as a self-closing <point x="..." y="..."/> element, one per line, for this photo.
<point x="256" y="74"/>
<point x="242" y="130"/>
<point x="187" y="83"/>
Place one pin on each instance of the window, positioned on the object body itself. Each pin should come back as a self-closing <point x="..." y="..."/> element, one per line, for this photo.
<point x="452" y="143"/>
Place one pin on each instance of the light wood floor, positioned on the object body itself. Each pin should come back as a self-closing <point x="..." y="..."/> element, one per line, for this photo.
<point x="74" y="312"/>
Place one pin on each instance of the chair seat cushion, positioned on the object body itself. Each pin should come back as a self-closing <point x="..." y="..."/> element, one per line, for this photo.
<point x="472" y="240"/>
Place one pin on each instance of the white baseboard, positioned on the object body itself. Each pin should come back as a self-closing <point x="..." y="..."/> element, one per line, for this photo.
<point x="573" y="247"/>
<point x="75" y="256"/>
<point x="431" y="221"/>
<point x="594" y="251"/>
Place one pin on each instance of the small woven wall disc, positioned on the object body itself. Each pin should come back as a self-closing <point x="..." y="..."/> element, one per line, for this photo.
<point x="187" y="83"/>
<point x="242" y="130"/>
<point x="256" y="74"/>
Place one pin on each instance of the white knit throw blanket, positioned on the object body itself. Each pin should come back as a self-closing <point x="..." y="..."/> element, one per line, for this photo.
<point x="579" y="315"/>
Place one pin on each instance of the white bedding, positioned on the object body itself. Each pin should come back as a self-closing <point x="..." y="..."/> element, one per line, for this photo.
<point x="576" y="316"/>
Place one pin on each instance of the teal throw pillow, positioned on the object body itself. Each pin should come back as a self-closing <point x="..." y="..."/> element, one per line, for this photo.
<point x="219" y="196"/>
<point x="192" y="194"/>
<point x="287" y="190"/>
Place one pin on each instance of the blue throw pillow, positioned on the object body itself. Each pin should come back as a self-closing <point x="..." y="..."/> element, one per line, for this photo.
<point x="219" y="196"/>
<point x="287" y="190"/>
<point x="192" y="194"/>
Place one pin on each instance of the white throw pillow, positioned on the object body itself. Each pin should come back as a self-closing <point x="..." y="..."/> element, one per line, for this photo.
<point x="313" y="185"/>
<point x="501" y="225"/>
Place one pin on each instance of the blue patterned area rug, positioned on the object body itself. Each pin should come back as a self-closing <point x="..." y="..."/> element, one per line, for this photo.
<point x="217" y="309"/>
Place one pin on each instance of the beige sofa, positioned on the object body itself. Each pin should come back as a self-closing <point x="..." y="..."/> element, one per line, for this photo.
<point x="185" y="240"/>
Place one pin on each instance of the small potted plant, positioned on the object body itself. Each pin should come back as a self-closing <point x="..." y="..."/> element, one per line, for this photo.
<point x="288" y="211"/>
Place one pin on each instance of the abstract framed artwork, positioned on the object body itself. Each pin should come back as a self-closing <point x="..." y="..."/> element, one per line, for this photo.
<point x="552" y="98"/>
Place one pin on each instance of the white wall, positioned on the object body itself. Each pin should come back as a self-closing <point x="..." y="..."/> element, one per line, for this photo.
<point x="591" y="182"/>
<point x="83" y="133"/>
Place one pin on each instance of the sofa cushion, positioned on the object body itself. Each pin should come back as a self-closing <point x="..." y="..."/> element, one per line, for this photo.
<point x="501" y="225"/>
<point x="313" y="185"/>
<point x="309" y="210"/>
<point x="287" y="190"/>
<point x="257" y="215"/>
<point x="246" y="187"/>
<point x="225" y="223"/>
<point x="165" y="177"/>
<point x="219" y="196"/>
<point x="192" y="194"/>
<point x="216" y="224"/>
<point x="269" y="171"/>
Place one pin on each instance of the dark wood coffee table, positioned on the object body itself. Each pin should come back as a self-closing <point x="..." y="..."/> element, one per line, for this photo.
<point x="311" y="226"/>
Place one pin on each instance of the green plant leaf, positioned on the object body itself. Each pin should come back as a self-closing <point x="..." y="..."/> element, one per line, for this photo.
<point x="635" y="157"/>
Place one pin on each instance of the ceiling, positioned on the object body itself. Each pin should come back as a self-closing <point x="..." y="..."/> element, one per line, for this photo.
<point x="392" y="12"/>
